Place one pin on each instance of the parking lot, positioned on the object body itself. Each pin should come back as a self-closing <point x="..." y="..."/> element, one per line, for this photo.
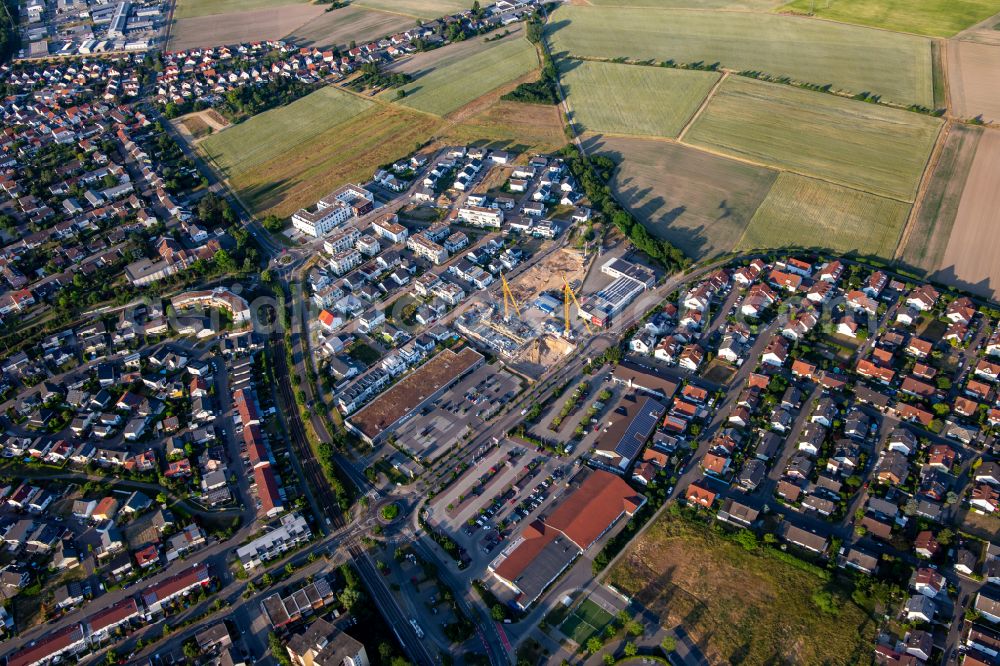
<point x="433" y="431"/>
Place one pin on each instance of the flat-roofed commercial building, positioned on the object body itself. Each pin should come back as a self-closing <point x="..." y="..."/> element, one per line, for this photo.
<point x="378" y="418"/>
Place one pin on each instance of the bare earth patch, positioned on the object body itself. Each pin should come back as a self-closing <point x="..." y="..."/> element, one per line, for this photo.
<point x="236" y="27"/>
<point x="973" y="77"/>
<point x="970" y="261"/>
<point x="925" y="241"/>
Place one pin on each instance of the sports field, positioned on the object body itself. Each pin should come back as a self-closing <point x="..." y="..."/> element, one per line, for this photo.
<point x="804" y="212"/>
<point x="633" y="99"/>
<point x="739" y="606"/>
<point x="852" y="58"/>
<point x="339" y="27"/>
<point x="698" y="201"/>
<point x="864" y="146"/>
<point x="450" y="77"/>
<point x="193" y="8"/>
<point x="935" y="18"/>
<point x="263" y="137"/>
<point x="587" y="620"/>
<point x="424" y="9"/>
<point x="926" y="241"/>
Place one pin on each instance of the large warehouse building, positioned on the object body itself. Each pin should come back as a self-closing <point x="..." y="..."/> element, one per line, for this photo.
<point x="547" y="547"/>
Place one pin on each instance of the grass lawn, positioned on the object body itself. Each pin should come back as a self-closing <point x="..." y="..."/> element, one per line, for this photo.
<point x="698" y="201"/>
<point x="457" y="77"/>
<point x="936" y="18"/>
<point x="804" y="212"/>
<point x="632" y="99"/>
<point x="522" y="128"/>
<point x="853" y="58"/>
<point x="864" y="146"/>
<point x="193" y="8"/>
<point x="300" y="173"/>
<point x="740" y="606"/>
<point x="243" y="147"/>
<point x="424" y="9"/>
<point x="928" y="239"/>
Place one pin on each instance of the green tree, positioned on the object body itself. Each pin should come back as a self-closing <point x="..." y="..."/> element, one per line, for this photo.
<point x="497" y="613"/>
<point x="278" y="650"/>
<point x="594" y="645"/>
<point x="630" y="649"/>
<point x="668" y="644"/>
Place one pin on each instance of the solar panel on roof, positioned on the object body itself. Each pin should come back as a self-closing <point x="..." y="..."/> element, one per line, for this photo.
<point x="639" y="429"/>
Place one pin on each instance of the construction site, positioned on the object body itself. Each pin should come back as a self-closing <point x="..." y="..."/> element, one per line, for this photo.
<point x="537" y="323"/>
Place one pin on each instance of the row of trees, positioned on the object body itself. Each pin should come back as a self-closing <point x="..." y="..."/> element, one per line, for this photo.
<point x="545" y="89"/>
<point x="593" y="175"/>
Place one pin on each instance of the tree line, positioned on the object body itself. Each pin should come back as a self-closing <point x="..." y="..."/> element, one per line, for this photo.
<point x="593" y="174"/>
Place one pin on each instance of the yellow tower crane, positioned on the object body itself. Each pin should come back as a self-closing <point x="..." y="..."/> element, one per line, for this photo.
<point x="567" y="296"/>
<point x="508" y="299"/>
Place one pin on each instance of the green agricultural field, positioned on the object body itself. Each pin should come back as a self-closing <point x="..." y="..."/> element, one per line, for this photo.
<point x="864" y="146"/>
<point x="852" y="58"/>
<point x="454" y="77"/>
<point x="424" y="9"/>
<point x="193" y="8"/>
<point x="804" y="212"/>
<point x="698" y="201"/>
<point x="633" y="99"/>
<point x="244" y="146"/>
<point x="935" y="18"/>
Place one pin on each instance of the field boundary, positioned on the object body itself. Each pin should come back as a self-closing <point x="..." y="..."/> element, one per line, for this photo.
<point x="704" y="105"/>
<point x="925" y="178"/>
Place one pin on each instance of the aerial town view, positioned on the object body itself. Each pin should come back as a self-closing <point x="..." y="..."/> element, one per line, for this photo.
<point x="461" y="332"/>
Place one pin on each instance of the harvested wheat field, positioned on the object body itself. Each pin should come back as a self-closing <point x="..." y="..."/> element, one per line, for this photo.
<point x="848" y="57"/>
<point x="970" y="261"/>
<point x="448" y="78"/>
<point x="548" y="275"/>
<point x="742" y="606"/>
<point x="808" y="213"/>
<point x="240" y="26"/>
<point x="184" y="9"/>
<point x="698" y="201"/>
<point x="340" y="27"/>
<point x="972" y="72"/>
<point x="616" y="98"/>
<point x="521" y="128"/>
<point x="864" y="146"/>
<point x="348" y="152"/>
<point x="927" y="238"/>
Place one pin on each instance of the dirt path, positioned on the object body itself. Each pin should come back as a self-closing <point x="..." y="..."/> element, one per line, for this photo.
<point x="925" y="179"/>
<point x="704" y="105"/>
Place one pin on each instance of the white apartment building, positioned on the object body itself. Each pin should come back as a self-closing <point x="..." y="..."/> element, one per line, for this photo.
<point x="479" y="216"/>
